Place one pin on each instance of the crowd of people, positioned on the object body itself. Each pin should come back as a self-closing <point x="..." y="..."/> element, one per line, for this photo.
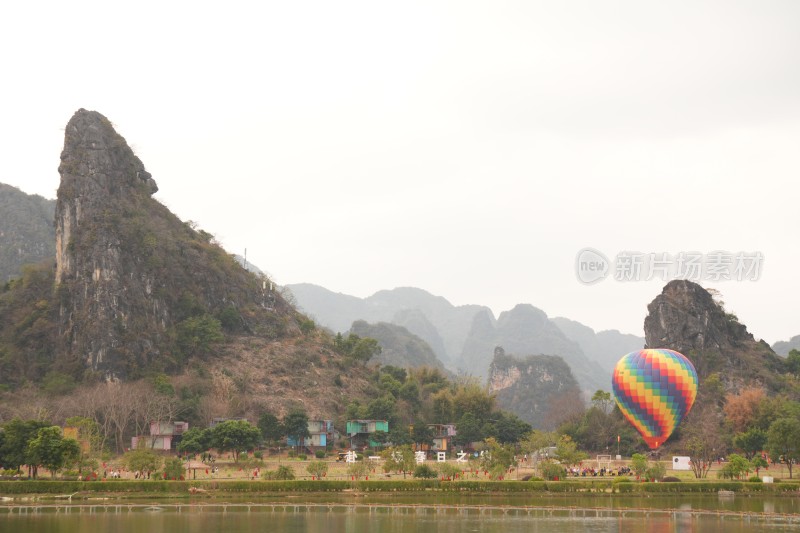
<point x="594" y="472"/>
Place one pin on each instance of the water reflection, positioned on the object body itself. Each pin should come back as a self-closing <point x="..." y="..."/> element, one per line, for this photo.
<point x="365" y="519"/>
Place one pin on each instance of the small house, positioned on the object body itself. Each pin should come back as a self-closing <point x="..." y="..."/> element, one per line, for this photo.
<point x="360" y="432"/>
<point x="321" y="432"/>
<point x="442" y="437"/>
<point x="163" y="435"/>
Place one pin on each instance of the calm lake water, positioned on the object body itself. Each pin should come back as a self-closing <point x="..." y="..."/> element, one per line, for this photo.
<point x="386" y="513"/>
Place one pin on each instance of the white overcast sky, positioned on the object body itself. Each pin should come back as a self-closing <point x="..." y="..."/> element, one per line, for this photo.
<point x="466" y="148"/>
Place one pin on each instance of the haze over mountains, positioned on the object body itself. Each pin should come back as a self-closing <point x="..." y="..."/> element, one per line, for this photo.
<point x="414" y="327"/>
<point x="132" y="291"/>
<point x="784" y="347"/>
<point x="464" y="337"/>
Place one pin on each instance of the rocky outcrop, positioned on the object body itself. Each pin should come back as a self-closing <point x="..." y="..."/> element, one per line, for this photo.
<point x="685" y="318"/>
<point x="540" y="389"/>
<point x="128" y="271"/>
<point x="99" y="175"/>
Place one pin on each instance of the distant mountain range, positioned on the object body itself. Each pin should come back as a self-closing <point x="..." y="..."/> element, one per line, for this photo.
<point x="464" y="337"/>
<point x="784" y="347"/>
<point x="605" y="347"/>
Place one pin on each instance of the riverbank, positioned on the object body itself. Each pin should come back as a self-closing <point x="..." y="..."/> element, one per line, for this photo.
<point x="200" y="488"/>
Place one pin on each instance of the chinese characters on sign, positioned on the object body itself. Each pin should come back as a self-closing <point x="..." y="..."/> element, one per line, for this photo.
<point x="592" y="266"/>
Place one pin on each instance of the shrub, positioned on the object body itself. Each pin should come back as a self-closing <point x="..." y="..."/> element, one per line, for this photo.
<point x="552" y="471"/>
<point x="358" y="469"/>
<point x="230" y="319"/>
<point x="448" y="470"/>
<point x="655" y="471"/>
<point x="302" y="457"/>
<point x="638" y="464"/>
<point x="307" y="326"/>
<point x="317" y="469"/>
<point x="482" y="487"/>
<point x="497" y="472"/>
<point x="282" y="473"/>
<point x="424" y="472"/>
<point x="755" y="479"/>
<point x="726" y="472"/>
<point x="173" y="468"/>
<point x="196" y="335"/>
<point x="143" y="460"/>
<point x="319" y="454"/>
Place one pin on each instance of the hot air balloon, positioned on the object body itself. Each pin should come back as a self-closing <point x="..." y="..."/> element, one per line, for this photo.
<point x="654" y="389"/>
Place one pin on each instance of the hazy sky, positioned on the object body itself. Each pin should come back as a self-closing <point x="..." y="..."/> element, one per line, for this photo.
<point x="467" y="148"/>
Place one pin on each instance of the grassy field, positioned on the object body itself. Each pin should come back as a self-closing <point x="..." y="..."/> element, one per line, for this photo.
<point x="339" y="471"/>
<point x="247" y="477"/>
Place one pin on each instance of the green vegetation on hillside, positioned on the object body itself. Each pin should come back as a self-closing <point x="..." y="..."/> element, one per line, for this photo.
<point x="399" y="347"/>
<point x="27" y="234"/>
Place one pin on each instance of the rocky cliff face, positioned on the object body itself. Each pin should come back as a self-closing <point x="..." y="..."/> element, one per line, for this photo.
<point x="540" y="389"/>
<point x="685" y="318"/>
<point x="127" y="270"/>
<point x="99" y="174"/>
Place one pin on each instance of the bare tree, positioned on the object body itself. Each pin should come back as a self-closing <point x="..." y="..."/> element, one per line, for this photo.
<point x="88" y="402"/>
<point x="704" y="439"/>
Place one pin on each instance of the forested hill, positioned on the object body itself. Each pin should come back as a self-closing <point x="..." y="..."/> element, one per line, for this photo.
<point x="27" y="234"/>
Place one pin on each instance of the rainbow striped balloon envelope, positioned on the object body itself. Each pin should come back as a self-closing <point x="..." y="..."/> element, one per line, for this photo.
<point x="655" y="389"/>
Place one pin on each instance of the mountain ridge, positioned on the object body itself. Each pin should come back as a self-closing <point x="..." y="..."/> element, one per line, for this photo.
<point x="471" y="330"/>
